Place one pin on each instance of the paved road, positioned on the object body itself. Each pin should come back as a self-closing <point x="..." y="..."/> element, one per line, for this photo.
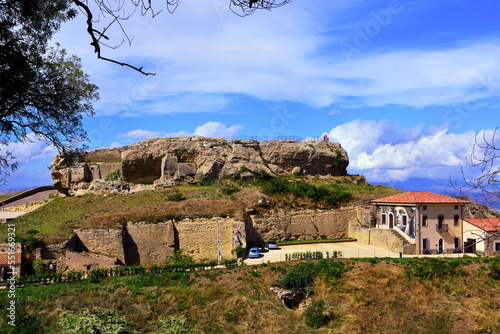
<point x="40" y="196"/>
<point x="351" y="249"/>
<point x="348" y="249"/>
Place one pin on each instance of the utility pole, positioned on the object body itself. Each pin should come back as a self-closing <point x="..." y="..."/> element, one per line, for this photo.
<point x="218" y="243"/>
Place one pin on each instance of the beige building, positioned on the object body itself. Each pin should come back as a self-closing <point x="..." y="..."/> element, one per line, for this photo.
<point x="434" y="223"/>
<point x="482" y="236"/>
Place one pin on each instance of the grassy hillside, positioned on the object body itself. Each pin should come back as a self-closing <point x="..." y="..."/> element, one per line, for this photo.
<point x="347" y="295"/>
<point x="56" y="220"/>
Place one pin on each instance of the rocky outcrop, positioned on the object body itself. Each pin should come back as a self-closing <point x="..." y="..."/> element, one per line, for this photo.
<point x="190" y="158"/>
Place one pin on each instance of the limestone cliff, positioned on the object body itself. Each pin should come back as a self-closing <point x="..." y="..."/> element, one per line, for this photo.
<point x="187" y="159"/>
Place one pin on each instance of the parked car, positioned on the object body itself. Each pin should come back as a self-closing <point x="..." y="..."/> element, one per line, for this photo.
<point x="254" y="252"/>
<point x="261" y="247"/>
<point x="272" y="245"/>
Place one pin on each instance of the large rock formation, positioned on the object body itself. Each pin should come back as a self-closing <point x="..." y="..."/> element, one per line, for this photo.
<point x="187" y="159"/>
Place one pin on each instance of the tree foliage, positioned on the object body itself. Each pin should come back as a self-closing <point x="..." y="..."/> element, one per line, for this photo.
<point x="42" y="89"/>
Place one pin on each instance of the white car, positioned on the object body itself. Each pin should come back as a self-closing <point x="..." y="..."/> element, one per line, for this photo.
<point x="272" y="245"/>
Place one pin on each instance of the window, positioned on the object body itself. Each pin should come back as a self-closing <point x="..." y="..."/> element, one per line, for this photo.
<point x="425" y="244"/>
<point x="456" y="220"/>
<point x="404" y="219"/>
<point x="457" y="242"/>
<point x="384" y="219"/>
<point x="497" y="247"/>
<point x="424" y="207"/>
<point x="440" y="221"/>
<point x="455" y="207"/>
<point x="424" y="221"/>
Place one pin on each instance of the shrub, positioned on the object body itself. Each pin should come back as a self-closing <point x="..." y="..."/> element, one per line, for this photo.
<point x="174" y="325"/>
<point x="205" y="181"/>
<point x="300" y="276"/>
<point x="102" y="321"/>
<point x="114" y="176"/>
<point x="495" y="270"/>
<point x="176" y="196"/>
<point x="229" y="189"/>
<point x="315" y="314"/>
<point x="240" y="252"/>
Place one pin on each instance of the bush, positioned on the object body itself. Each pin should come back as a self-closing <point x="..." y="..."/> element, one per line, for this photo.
<point x="315" y="315"/>
<point x="176" y="196"/>
<point x="24" y="323"/>
<point x="102" y="321"/>
<point x="240" y="252"/>
<point x="205" y="181"/>
<point x="229" y="189"/>
<point x="300" y="276"/>
<point x="114" y="176"/>
<point x="174" y="325"/>
<point x="495" y="270"/>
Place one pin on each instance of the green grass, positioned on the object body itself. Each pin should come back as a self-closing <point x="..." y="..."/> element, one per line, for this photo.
<point x="312" y="241"/>
<point x="354" y="296"/>
<point x="57" y="219"/>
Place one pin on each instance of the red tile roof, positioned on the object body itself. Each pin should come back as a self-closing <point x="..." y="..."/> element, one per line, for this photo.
<point x="486" y="224"/>
<point x="420" y="197"/>
<point x="4" y="259"/>
<point x="5" y="252"/>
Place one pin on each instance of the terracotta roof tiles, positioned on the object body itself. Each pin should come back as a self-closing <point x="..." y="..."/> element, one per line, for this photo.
<point x="486" y="224"/>
<point x="420" y="197"/>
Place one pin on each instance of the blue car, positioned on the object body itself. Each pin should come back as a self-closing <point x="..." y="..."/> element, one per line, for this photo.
<point x="254" y="252"/>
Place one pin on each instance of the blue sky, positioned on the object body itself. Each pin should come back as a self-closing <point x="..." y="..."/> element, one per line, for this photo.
<point x="402" y="85"/>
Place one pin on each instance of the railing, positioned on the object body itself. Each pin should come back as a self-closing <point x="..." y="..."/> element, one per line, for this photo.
<point x="454" y="250"/>
<point x="406" y="237"/>
<point x="442" y="227"/>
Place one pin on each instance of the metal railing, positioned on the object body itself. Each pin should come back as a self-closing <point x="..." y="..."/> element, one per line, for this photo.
<point x="442" y="227"/>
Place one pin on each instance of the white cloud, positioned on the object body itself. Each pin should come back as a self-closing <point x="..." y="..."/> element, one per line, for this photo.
<point x="217" y="130"/>
<point x="209" y="129"/>
<point x="384" y="152"/>
<point x="115" y="145"/>
<point x="334" y="112"/>
<point x="31" y="151"/>
<point x="141" y="134"/>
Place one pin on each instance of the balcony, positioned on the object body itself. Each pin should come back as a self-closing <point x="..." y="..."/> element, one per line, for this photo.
<point x="442" y="227"/>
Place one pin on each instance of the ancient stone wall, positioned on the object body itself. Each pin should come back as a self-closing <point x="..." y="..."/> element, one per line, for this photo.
<point x="101" y="241"/>
<point x="311" y="224"/>
<point x="383" y="238"/>
<point x="144" y="243"/>
<point x="80" y="261"/>
<point x="198" y="239"/>
<point x="148" y="243"/>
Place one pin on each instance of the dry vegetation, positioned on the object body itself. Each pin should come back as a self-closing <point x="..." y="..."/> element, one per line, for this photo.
<point x="372" y="296"/>
<point x="56" y="220"/>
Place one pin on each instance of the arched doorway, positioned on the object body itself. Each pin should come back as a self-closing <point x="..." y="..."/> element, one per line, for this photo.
<point x="441" y="246"/>
<point x="391" y="220"/>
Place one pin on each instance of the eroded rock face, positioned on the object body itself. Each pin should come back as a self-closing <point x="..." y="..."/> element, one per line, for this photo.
<point x="187" y="159"/>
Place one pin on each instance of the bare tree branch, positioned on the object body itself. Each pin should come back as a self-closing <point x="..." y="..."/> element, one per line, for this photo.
<point x="117" y="12"/>
<point x="485" y="156"/>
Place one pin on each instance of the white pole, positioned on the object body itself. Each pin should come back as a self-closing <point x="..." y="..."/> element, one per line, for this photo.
<point x="218" y="243"/>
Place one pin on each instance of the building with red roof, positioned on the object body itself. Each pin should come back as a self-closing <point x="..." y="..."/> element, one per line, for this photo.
<point x="10" y="260"/>
<point x="482" y="236"/>
<point x="432" y="222"/>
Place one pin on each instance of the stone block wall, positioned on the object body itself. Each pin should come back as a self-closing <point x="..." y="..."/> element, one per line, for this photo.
<point x="101" y="241"/>
<point x="148" y="243"/>
<point x="383" y="238"/>
<point x="311" y="224"/>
